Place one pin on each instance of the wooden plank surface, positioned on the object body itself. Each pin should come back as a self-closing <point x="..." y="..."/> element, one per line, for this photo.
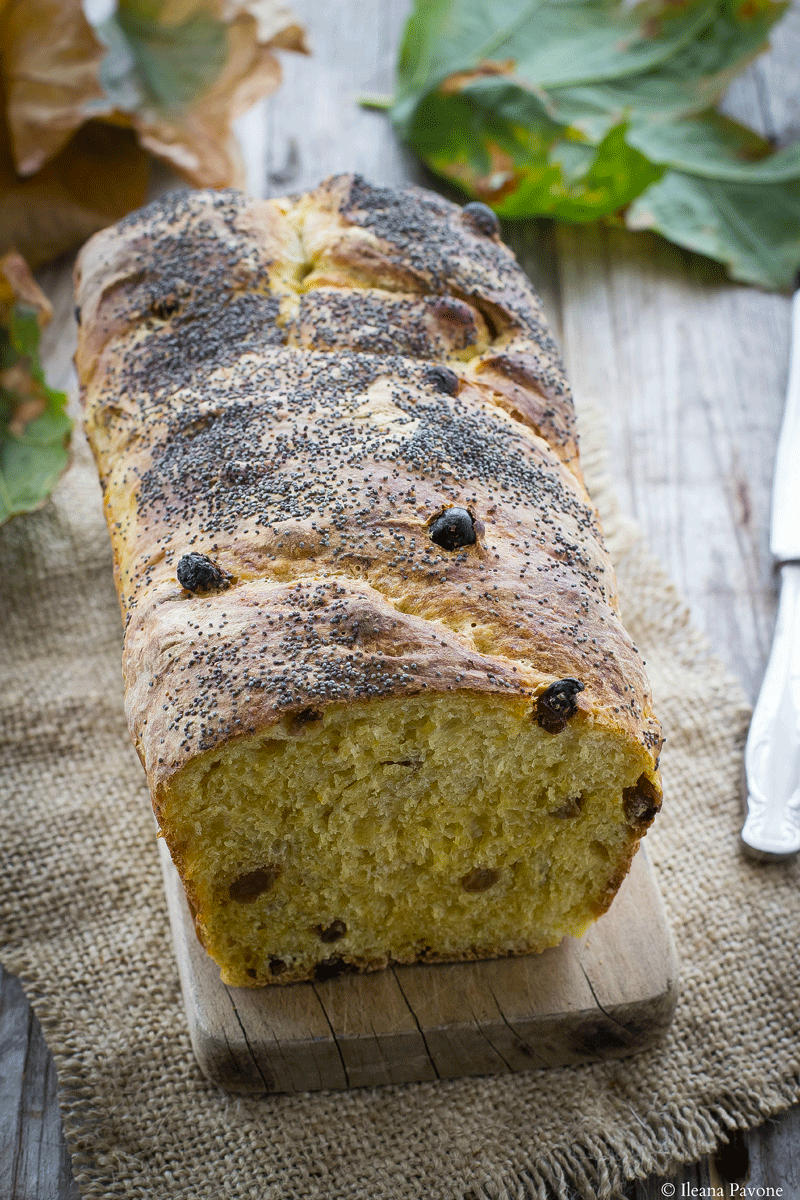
<point x="607" y="995"/>
<point x="34" y="1163"/>
<point x="692" y="445"/>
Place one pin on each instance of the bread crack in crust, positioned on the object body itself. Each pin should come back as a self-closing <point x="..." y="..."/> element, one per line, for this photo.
<point x="373" y="659"/>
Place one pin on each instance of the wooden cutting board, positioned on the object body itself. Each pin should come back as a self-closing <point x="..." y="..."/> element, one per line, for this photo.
<point x="608" y="994"/>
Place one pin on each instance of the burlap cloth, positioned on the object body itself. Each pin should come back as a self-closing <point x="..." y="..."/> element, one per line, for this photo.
<point x="84" y="923"/>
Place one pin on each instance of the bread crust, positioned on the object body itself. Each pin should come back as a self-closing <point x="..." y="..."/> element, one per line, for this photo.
<point x="263" y="385"/>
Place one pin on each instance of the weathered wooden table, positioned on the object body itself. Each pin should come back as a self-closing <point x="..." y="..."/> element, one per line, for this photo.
<point x="691" y="373"/>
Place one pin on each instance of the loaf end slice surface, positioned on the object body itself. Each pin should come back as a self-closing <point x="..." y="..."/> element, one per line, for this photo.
<point x="373" y="660"/>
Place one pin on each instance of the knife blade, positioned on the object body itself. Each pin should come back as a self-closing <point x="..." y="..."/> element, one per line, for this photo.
<point x="771" y="830"/>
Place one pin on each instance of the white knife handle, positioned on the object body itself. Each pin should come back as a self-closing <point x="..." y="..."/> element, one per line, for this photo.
<point x="772" y="753"/>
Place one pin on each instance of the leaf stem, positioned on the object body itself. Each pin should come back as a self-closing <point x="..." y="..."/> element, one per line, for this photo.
<point x="376" y="100"/>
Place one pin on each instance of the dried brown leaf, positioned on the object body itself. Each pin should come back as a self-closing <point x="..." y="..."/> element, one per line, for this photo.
<point x="18" y="285"/>
<point x="99" y="176"/>
<point x="34" y="427"/>
<point x="17" y="379"/>
<point x="170" y="74"/>
<point x="51" y="62"/>
<point x="197" y="140"/>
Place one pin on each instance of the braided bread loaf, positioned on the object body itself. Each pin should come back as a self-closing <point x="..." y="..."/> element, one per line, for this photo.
<point x="373" y="660"/>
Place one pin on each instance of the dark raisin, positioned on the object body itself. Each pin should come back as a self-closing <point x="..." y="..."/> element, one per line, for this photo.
<point x="249" y="887"/>
<point x="482" y="217"/>
<point x="165" y="307"/>
<point x="197" y="573"/>
<point x="305" y="716"/>
<point x="570" y="808"/>
<point x="557" y="704"/>
<point x="443" y="379"/>
<point x="276" y="966"/>
<point x="641" y="802"/>
<point x="453" y="529"/>
<point x="330" y="968"/>
<point x="479" y="879"/>
<point x="331" y="933"/>
<point x="78" y="313"/>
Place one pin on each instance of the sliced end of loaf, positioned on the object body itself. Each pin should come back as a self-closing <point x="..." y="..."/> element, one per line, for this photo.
<point x="423" y="828"/>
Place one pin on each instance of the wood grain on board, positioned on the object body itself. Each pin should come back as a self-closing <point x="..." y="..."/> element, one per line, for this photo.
<point x="690" y="371"/>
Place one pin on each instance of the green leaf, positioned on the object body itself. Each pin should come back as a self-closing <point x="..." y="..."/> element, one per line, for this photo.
<point x="475" y="128"/>
<point x="496" y="141"/>
<point x="23" y="334"/>
<point x="28" y="473"/>
<point x="169" y="65"/>
<point x="616" y="175"/>
<point x="34" y="427"/>
<point x="545" y="43"/>
<point x="577" y="42"/>
<point x="693" y="79"/>
<point x="445" y="36"/>
<point x="715" y="147"/>
<point x="578" y="109"/>
<point x="753" y="228"/>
